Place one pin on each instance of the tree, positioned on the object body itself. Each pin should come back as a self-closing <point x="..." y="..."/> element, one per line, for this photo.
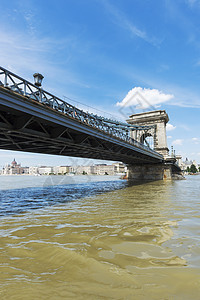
<point x="193" y="169"/>
<point x="199" y="169"/>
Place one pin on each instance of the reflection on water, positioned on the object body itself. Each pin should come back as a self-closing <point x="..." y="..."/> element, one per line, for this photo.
<point x="137" y="242"/>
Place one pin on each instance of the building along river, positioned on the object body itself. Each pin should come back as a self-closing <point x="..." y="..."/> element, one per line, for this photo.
<point x="99" y="238"/>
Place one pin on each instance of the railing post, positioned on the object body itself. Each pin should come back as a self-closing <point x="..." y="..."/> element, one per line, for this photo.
<point x="6" y="79"/>
<point x="24" y="88"/>
<point x="40" y="92"/>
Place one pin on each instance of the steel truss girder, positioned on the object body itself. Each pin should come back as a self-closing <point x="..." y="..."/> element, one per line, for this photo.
<point x="84" y="129"/>
<point x="25" y="89"/>
<point x="34" y="144"/>
<point x="43" y="132"/>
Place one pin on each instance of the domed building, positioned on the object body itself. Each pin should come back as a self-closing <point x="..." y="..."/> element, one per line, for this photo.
<point x="12" y="169"/>
<point x="14" y="163"/>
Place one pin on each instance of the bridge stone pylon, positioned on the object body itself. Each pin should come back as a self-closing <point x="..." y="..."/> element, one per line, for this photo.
<point x="157" y="120"/>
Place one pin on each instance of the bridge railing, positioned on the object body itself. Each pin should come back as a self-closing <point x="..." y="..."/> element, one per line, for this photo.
<point x="27" y="89"/>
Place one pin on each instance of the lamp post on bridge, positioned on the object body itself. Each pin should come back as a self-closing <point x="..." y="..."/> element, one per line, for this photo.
<point x="38" y="79"/>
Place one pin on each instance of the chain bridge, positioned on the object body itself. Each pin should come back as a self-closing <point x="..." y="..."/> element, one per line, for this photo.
<point x="34" y="120"/>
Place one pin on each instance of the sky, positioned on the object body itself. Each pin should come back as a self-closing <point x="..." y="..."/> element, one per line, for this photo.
<point x="102" y="52"/>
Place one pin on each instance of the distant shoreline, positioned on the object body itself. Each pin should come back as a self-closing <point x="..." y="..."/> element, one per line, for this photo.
<point x="70" y="175"/>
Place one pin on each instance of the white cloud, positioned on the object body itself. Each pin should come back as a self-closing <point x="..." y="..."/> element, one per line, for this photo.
<point x="184" y="96"/>
<point x="192" y="2"/>
<point x="122" y="20"/>
<point x="143" y="98"/>
<point x="24" y="54"/>
<point x="195" y="140"/>
<point x="163" y="67"/>
<point x="169" y="137"/>
<point x="170" y="127"/>
<point x="178" y="142"/>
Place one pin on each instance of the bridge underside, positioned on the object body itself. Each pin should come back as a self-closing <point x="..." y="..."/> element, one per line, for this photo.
<point x="27" y="125"/>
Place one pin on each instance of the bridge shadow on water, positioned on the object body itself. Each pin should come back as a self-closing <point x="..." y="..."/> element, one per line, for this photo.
<point x="15" y="201"/>
<point x="20" y="200"/>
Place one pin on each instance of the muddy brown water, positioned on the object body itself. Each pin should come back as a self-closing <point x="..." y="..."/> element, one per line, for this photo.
<point x="121" y="242"/>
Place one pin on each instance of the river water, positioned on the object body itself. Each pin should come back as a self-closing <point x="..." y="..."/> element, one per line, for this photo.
<point x="99" y="238"/>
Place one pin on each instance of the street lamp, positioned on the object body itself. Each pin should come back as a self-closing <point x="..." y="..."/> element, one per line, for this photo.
<point x="38" y="79"/>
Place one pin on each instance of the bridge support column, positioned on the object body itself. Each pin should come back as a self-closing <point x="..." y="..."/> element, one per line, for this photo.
<point x="148" y="172"/>
<point x="152" y="172"/>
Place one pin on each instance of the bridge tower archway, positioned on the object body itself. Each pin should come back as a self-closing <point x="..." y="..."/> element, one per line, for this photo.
<point x="147" y="139"/>
<point x="157" y="120"/>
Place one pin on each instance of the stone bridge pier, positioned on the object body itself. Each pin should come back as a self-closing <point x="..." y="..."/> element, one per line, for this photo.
<point x="155" y="137"/>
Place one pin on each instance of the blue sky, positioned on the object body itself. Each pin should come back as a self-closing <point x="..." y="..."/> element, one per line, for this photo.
<point x="96" y="51"/>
